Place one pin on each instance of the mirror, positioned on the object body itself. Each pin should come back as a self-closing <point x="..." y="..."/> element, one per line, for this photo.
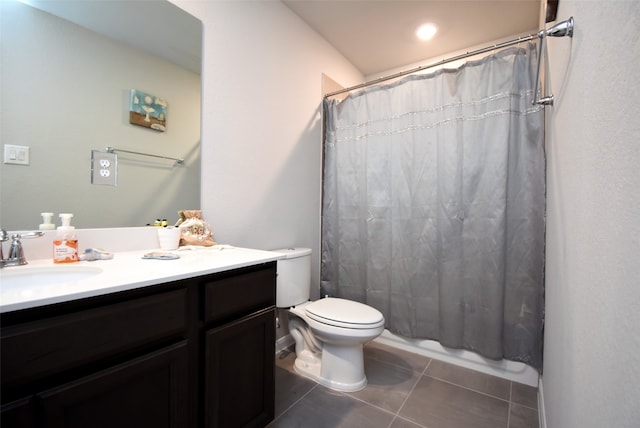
<point x="67" y="70"/>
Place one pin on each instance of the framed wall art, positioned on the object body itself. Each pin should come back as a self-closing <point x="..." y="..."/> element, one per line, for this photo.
<point x="148" y="110"/>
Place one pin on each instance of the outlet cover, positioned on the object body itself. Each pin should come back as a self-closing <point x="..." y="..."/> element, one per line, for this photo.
<point x="104" y="168"/>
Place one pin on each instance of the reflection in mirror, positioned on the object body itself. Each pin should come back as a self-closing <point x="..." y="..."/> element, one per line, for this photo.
<point x="66" y="91"/>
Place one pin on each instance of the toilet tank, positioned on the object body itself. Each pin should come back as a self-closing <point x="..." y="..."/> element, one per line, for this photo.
<point x="294" y="277"/>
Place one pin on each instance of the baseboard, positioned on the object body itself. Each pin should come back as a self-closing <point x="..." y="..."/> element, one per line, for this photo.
<point x="542" y="417"/>
<point x="283" y="343"/>
<point x="505" y="369"/>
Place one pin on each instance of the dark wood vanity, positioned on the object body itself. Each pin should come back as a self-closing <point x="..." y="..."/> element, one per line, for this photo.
<point x="197" y="352"/>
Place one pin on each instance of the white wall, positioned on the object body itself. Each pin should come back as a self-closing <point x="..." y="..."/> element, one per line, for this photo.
<point x="261" y="130"/>
<point x="592" y="338"/>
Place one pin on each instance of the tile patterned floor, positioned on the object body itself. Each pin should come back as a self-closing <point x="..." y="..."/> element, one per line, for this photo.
<point x="405" y="390"/>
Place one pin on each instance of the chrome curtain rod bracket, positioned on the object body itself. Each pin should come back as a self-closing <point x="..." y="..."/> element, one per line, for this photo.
<point x="561" y="29"/>
<point x="178" y="161"/>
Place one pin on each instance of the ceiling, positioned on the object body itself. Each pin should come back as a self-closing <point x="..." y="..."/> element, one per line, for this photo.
<point x="379" y="35"/>
<point x="374" y="35"/>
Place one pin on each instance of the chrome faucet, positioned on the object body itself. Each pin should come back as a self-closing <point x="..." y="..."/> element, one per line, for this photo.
<point x="3" y="237"/>
<point x="16" y="253"/>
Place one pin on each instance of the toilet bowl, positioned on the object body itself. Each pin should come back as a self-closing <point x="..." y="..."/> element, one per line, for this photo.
<point x="329" y="350"/>
<point x="329" y="333"/>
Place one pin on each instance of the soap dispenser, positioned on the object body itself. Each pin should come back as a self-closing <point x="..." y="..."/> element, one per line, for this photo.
<point x="65" y="246"/>
<point x="46" y="222"/>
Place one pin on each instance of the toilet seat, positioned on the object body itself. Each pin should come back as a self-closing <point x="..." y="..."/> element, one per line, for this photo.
<point x="344" y="313"/>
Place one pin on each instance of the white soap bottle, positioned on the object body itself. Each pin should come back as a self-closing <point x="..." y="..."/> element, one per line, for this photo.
<point x="46" y="222"/>
<point x="65" y="246"/>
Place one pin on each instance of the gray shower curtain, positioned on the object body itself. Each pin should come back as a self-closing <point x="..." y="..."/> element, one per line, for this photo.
<point x="434" y="205"/>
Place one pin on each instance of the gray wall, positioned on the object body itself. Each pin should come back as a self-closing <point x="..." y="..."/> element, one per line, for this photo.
<point x="65" y="91"/>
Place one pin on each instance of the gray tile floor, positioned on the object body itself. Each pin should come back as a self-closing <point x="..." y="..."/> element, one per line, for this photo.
<point x="405" y="390"/>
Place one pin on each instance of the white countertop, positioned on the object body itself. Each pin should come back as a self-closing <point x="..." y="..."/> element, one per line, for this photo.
<point x="126" y="271"/>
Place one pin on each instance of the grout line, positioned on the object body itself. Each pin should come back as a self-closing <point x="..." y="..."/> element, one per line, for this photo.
<point x="346" y="394"/>
<point x="517" y="404"/>
<point x="413" y="388"/>
<point x="467" y="388"/>
<point x="424" y="371"/>
<point x="525" y="406"/>
<point x="408" y="420"/>
<point x="294" y="403"/>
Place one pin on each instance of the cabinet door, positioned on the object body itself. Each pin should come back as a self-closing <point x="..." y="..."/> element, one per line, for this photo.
<point x="147" y="392"/>
<point x="18" y="414"/>
<point x="240" y="379"/>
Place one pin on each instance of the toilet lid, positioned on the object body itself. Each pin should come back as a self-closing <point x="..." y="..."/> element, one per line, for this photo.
<point x="344" y="313"/>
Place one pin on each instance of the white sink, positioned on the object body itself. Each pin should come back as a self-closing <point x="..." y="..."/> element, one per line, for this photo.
<point x="22" y="278"/>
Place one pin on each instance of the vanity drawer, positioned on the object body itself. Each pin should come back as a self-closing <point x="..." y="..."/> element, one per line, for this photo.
<point x="231" y="297"/>
<point x="50" y="346"/>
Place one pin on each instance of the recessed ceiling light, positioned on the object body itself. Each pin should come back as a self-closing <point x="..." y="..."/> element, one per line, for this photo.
<point x="426" y="31"/>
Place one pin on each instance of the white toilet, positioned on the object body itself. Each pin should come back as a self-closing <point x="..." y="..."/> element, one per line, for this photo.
<point x="329" y="333"/>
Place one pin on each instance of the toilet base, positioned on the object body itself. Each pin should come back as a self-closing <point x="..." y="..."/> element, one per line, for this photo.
<point x="340" y="368"/>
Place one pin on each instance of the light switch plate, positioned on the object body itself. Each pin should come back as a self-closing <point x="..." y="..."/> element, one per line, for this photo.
<point x="18" y="155"/>
<point x="104" y="168"/>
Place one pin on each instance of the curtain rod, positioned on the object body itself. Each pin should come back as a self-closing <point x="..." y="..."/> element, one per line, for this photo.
<point x="424" y="67"/>
<point x="554" y="31"/>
